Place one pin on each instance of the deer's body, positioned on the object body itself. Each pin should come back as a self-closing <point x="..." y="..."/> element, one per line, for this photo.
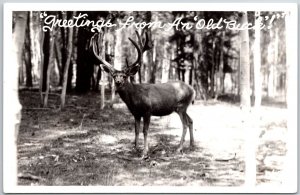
<point x="146" y="100"/>
<point x="155" y="99"/>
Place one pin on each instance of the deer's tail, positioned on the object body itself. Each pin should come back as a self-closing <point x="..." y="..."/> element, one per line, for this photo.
<point x="194" y="96"/>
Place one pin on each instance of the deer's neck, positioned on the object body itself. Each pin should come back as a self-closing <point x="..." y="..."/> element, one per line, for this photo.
<point x="129" y="93"/>
<point x="125" y="91"/>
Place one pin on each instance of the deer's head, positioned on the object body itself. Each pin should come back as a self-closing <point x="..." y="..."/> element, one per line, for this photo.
<point x="120" y="76"/>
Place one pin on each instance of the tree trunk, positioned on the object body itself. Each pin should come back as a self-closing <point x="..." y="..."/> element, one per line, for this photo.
<point x="84" y="62"/>
<point x="101" y="73"/>
<point x="21" y="18"/>
<point x="165" y="64"/>
<point x="142" y="66"/>
<point x="154" y="64"/>
<point x="63" y="34"/>
<point x="275" y="72"/>
<point x="70" y="75"/>
<point x="147" y="16"/>
<point x="149" y="60"/>
<point x="257" y="62"/>
<point x="237" y="83"/>
<point x="244" y="65"/>
<point x="74" y="58"/>
<point x="49" y="67"/>
<point x="271" y="64"/>
<point x="148" y="65"/>
<point x="180" y="61"/>
<point x="64" y="52"/>
<point x="43" y="34"/>
<point x="212" y="71"/>
<point x="221" y="65"/>
<point x="27" y="54"/>
<point x="36" y="35"/>
<point x="46" y="54"/>
<point x="19" y="35"/>
<point x="12" y="112"/>
<point x="58" y="56"/>
<point x="66" y="66"/>
<point x="198" y="52"/>
<point x="250" y="139"/>
<point x="118" y="57"/>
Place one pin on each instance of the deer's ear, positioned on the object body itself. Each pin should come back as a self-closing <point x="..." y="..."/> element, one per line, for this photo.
<point x="132" y="70"/>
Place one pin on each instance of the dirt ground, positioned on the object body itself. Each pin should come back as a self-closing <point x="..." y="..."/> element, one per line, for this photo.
<point x="83" y="145"/>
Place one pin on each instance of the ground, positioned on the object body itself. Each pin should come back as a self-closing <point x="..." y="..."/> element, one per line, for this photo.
<point x="83" y="145"/>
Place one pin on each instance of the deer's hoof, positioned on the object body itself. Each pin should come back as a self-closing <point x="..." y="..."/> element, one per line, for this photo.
<point x="180" y="150"/>
<point x="192" y="145"/>
<point x="145" y="154"/>
<point x="135" y="148"/>
<point x="144" y="157"/>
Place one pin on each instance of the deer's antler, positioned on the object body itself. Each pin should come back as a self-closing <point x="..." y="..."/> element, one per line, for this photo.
<point x="139" y="53"/>
<point x="93" y="43"/>
<point x="146" y="45"/>
<point x="141" y="48"/>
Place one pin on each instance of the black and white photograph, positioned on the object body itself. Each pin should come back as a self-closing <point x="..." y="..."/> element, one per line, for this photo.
<point x="126" y="98"/>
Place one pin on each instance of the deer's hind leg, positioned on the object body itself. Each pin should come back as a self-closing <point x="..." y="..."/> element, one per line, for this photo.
<point x="191" y="127"/>
<point x="184" y="129"/>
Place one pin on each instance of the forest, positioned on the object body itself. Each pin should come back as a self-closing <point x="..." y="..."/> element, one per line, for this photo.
<point x="73" y="121"/>
<point x="209" y="60"/>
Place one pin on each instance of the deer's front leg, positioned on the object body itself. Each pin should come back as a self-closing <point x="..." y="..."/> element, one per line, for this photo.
<point x="145" y="131"/>
<point x="137" y="131"/>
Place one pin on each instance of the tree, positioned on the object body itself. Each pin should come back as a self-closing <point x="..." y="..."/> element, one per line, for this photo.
<point x="119" y="36"/>
<point x="50" y="63"/>
<point x="19" y="33"/>
<point x="153" y="68"/>
<point x="271" y="63"/>
<point x="184" y="46"/>
<point x="35" y="36"/>
<point x="27" y="54"/>
<point x="198" y="62"/>
<point x="250" y="146"/>
<point x="61" y="50"/>
<point x="165" y="64"/>
<point x="66" y="66"/>
<point x="244" y="65"/>
<point x="157" y="37"/>
<point x="149" y="65"/>
<point x="221" y="65"/>
<point x="13" y="112"/>
<point x="257" y="62"/>
<point x="85" y="61"/>
<point x="213" y="68"/>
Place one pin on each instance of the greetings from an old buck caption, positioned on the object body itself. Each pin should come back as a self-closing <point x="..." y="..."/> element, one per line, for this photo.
<point x="81" y="20"/>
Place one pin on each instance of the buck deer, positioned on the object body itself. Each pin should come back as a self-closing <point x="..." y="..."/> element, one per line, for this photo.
<point x="146" y="100"/>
